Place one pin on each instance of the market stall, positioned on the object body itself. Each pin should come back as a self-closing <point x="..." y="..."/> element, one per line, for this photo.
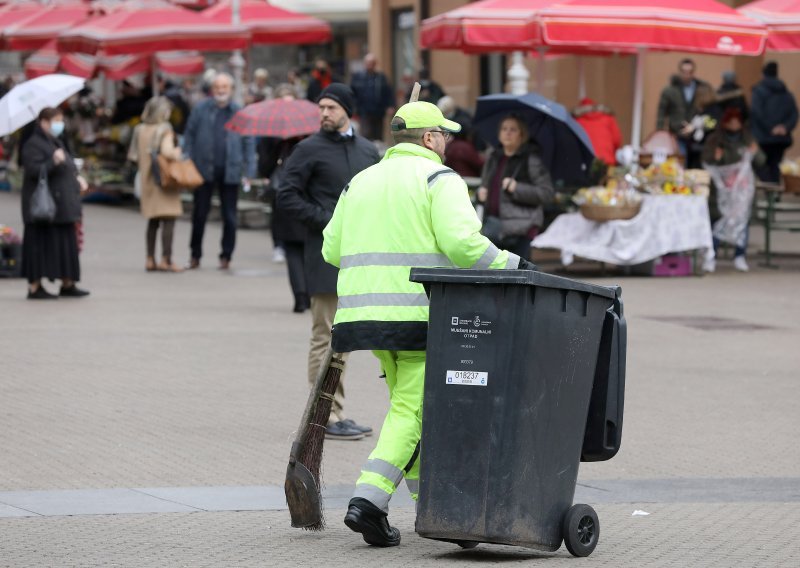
<point x="659" y="214"/>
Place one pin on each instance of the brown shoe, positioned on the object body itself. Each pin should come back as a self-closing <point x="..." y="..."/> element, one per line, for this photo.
<point x="167" y="266"/>
<point x="194" y="263"/>
<point x="224" y="264"/>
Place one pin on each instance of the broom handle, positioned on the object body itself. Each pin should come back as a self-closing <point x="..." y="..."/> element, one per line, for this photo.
<point x="415" y="93"/>
<point x="313" y="397"/>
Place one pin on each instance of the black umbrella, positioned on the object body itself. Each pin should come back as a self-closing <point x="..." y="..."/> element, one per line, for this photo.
<point x="564" y="145"/>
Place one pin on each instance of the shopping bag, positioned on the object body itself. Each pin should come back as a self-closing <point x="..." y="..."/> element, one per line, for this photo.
<point x="735" y="185"/>
<point x="42" y="207"/>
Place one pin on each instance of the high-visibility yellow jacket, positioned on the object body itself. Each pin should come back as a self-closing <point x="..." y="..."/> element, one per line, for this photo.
<point x="408" y="210"/>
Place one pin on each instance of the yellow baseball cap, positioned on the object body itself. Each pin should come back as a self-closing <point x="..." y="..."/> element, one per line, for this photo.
<point x="424" y="115"/>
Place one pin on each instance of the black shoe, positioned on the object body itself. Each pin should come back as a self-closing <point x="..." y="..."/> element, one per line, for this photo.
<point x="73" y="292"/>
<point x="365" y="518"/>
<point x="41" y="294"/>
<point x="341" y="431"/>
<point x="301" y="303"/>
<point x="366" y="430"/>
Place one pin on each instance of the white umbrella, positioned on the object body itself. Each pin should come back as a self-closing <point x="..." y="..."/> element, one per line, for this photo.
<point x="23" y="103"/>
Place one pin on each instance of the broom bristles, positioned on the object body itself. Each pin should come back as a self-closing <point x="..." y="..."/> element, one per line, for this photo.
<point x="312" y="444"/>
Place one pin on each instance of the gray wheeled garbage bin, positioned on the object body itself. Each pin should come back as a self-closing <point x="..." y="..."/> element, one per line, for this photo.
<point x="515" y="360"/>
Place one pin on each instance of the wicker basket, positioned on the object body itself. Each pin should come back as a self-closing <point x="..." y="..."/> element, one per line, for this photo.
<point x="602" y="213"/>
<point x="791" y="183"/>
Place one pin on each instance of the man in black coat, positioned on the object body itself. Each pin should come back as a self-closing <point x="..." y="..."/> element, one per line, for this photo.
<point x="773" y="116"/>
<point x="316" y="173"/>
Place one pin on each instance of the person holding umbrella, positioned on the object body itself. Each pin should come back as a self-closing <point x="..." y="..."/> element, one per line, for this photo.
<point x="50" y="249"/>
<point x="515" y="185"/>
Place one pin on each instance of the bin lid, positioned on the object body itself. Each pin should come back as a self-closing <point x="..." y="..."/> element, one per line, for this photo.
<point x="522" y="277"/>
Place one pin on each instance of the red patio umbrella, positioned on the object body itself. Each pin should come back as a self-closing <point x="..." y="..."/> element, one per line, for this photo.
<point x="488" y="26"/>
<point x="151" y="27"/>
<point x="782" y="18"/>
<point x="117" y="67"/>
<point x="14" y="13"/>
<point x="269" y="24"/>
<point x="610" y="26"/>
<point x="38" y="29"/>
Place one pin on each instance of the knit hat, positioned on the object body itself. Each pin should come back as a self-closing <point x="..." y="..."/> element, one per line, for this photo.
<point x="729" y="77"/>
<point x="340" y="93"/>
<point x="771" y="69"/>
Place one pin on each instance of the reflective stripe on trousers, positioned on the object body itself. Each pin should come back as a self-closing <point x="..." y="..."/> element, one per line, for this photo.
<point x="391" y="460"/>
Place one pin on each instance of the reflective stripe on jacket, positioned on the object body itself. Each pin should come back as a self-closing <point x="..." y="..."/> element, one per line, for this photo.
<point x="408" y="210"/>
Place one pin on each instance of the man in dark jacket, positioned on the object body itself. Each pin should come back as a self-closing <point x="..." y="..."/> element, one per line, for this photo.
<point x="316" y="173"/>
<point x="773" y="116"/>
<point x="224" y="159"/>
<point x="680" y="101"/>
<point x="374" y="98"/>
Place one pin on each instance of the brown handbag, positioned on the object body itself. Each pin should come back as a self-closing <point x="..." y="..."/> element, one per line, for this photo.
<point x="177" y="175"/>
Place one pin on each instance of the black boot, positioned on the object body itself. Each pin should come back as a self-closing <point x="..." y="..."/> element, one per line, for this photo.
<point x="365" y="518"/>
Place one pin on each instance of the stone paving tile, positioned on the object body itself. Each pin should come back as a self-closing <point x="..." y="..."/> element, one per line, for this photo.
<point x="91" y="502"/>
<point x="707" y="535"/>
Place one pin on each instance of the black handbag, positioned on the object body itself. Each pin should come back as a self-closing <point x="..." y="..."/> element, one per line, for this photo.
<point x="43" y="206"/>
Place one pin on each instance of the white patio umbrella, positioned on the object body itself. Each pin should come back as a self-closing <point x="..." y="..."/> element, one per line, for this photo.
<point x="23" y="103"/>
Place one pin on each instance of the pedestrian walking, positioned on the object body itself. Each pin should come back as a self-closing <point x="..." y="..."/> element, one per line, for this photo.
<point x="224" y="159"/>
<point x="288" y="233"/>
<point x="50" y="248"/>
<point x="374" y="98"/>
<point x="408" y="210"/>
<point x="319" y="168"/>
<point x="680" y="102"/>
<point x="730" y="95"/>
<point x="160" y="208"/>
<point x="259" y="90"/>
<point x="321" y="78"/>
<point x="774" y="116"/>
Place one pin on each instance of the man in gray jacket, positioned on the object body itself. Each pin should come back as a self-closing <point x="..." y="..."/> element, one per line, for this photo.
<point x="225" y="159"/>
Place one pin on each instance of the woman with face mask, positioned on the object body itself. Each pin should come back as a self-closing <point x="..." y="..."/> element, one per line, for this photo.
<point x="50" y="249"/>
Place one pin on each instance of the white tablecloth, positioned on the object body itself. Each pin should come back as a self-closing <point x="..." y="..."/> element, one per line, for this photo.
<point x="665" y="224"/>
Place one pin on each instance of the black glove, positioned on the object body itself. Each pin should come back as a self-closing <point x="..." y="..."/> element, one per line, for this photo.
<point x="526" y="265"/>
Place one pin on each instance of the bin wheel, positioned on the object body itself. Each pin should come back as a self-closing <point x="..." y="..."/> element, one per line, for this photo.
<point x="467" y="544"/>
<point x="581" y="529"/>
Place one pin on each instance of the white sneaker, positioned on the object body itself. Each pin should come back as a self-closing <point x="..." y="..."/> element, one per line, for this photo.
<point x="740" y="264"/>
<point x="278" y="256"/>
<point x="709" y="265"/>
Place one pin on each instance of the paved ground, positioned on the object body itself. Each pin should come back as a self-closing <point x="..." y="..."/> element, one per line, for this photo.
<point x="193" y="384"/>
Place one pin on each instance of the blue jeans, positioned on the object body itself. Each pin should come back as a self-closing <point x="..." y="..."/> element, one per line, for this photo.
<point x="228" y="196"/>
<point x="738" y="251"/>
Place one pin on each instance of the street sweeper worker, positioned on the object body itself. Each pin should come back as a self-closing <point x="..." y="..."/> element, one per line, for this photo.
<point x="408" y="210"/>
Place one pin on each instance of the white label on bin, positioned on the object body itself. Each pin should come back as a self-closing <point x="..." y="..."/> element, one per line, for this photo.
<point x="474" y="378"/>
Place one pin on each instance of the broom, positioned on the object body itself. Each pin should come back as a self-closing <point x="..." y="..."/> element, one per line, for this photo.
<point x="303" y="485"/>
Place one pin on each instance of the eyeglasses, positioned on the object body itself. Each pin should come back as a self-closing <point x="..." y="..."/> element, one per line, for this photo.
<point x="446" y="135"/>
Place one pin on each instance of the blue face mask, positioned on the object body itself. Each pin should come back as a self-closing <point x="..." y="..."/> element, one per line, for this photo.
<point x="56" y="128"/>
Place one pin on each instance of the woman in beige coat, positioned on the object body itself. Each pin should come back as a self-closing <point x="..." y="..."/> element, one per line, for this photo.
<point x="158" y="206"/>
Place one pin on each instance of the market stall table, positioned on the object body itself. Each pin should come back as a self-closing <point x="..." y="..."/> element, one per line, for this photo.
<point x="665" y="224"/>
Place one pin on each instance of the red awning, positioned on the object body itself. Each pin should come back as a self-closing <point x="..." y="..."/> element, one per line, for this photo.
<point x="269" y="24"/>
<point x="151" y="28"/>
<point x="40" y="28"/>
<point x="702" y="26"/>
<point x="782" y="18"/>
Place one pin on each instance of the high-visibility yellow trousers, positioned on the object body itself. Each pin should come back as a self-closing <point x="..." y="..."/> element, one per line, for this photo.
<point x="396" y="455"/>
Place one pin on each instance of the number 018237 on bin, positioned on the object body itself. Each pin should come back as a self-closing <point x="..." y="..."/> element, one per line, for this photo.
<point x="473" y="378"/>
